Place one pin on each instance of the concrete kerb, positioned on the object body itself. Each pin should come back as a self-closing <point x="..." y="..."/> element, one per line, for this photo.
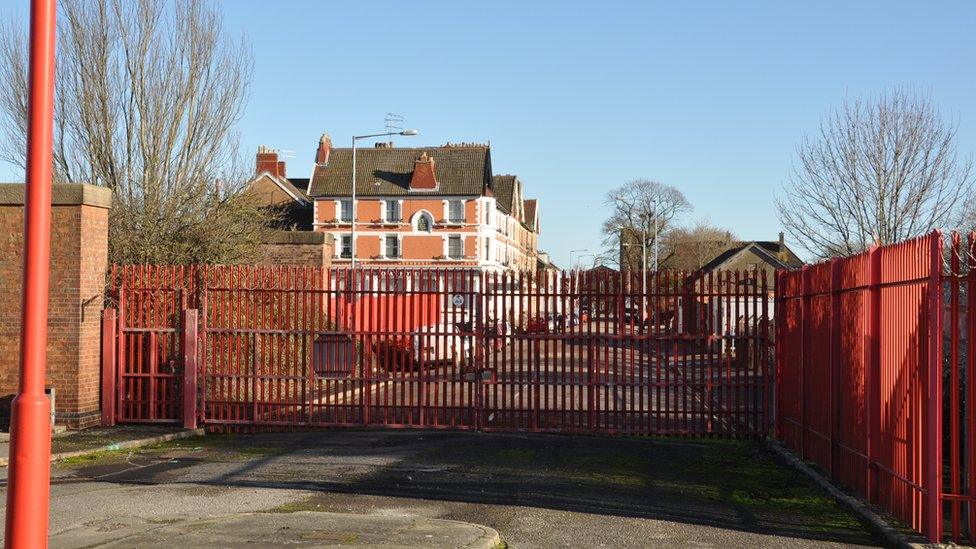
<point x="891" y="535"/>
<point x="125" y="445"/>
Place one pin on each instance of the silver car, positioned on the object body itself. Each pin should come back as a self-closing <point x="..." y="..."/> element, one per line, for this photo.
<point x="446" y="342"/>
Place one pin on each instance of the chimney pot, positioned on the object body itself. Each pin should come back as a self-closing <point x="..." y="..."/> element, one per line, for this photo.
<point x="267" y="161"/>
<point x="424" y="176"/>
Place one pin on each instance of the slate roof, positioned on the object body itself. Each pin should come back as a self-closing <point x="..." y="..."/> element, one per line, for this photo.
<point x="504" y="187"/>
<point x="386" y="171"/>
<point x="530" y="212"/>
<point x="295" y="185"/>
<point x="766" y="249"/>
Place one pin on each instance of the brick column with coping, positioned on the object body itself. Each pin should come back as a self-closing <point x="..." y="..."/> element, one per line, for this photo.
<point x="79" y="260"/>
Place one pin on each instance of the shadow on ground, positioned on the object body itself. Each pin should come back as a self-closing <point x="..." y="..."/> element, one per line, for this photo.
<point x="732" y="485"/>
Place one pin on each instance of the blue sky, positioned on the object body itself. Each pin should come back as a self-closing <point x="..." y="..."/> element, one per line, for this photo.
<point x="579" y="97"/>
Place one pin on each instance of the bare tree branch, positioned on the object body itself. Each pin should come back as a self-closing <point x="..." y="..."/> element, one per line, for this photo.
<point x="148" y="97"/>
<point x="634" y="207"/>
<point x="880" y="170"/>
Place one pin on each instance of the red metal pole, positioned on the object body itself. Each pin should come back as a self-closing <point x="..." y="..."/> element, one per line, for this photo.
<point x="933" y="398"/>
<point x="872" y="378"/>
<point x="109" y="369"/>
<point x="189" y="368"/>
<point x="834" y="384"/>
<point x="28" y="484"/>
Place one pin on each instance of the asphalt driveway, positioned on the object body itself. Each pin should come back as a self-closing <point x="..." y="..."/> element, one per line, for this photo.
<point x="535" y="490"/>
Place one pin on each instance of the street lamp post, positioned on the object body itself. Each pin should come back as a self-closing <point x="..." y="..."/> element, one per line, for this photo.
<point x="28" y="480"/>
<point x="643" y="313"/>
<point x="587" y="255"/>
<point x="654" y="214"/>
<point x="571" y="252"/>
<point x="352" y="225"/>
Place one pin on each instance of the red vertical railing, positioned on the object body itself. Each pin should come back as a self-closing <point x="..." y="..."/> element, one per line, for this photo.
<point x="876" y="395"/>
<point x="680" y="354"/>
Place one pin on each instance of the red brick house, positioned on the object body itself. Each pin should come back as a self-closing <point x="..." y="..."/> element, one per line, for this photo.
<point x="415" y="207"/>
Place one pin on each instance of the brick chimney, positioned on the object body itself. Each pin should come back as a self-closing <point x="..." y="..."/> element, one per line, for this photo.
<point x="267" y="161"/>
<point x="783" y="256"/>
<point x="325" y="147"/>
<point x="423" y="177"/>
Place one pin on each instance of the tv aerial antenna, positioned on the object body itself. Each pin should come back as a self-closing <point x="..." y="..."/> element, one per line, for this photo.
<point x="393" y="123"/>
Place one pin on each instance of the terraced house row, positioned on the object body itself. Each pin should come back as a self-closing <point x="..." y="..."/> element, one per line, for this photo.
<point x="415" y="207"/>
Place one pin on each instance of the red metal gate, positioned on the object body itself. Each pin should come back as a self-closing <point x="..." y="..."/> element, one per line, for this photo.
<point x="458" y="349"/>
<point x="149" y="344"/>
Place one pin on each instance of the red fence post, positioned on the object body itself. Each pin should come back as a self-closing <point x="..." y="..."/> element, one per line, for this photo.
<point x="109" y="371"/>
<point x="833" y="367"/>
<point x="780" y="323"/>
<point x="804" y="354"/>
<point x="970" y="450"/>
<point x="189" y="368"/>
<point x="872" y="378"/>
<point x="590" y="380"/>
<point x="932" y="375"/>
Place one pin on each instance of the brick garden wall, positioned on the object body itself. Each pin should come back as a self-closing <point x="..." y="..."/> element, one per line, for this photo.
<point x="79" y="259"/>
<point x="298" y="248"/>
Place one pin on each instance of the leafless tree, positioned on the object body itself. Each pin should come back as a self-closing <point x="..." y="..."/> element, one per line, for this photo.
<point x="691" y="248"/>
<point x="880" y="170"/>
<point x="634" y="207"/>
<point x="147" y="100"/>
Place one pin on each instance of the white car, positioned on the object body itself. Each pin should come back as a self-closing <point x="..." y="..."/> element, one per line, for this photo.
<point x="441" y="343"/>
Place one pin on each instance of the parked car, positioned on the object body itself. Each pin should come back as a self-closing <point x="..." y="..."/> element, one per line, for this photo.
<point x="538" y="325"/>
<point x="438" y="343"/>
<point x="632" y="315"/>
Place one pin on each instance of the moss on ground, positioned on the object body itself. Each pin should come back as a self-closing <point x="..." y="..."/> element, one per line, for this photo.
<point x="311" y="503"/>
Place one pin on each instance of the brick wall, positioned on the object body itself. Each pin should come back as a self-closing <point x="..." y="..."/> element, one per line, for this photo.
<point x="298" y="248"/>
<point x="79" y="258"/>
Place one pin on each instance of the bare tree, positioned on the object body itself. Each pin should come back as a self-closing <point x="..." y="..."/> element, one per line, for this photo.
<point x="880" y="170"/>
<point x="148" y="97"/>
<point x="634" y="208"/>
<point x="691" y="248"/>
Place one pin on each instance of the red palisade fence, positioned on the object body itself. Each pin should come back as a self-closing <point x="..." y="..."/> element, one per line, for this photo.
<point x="285" y="347"/>
<point x="874" y="378"/>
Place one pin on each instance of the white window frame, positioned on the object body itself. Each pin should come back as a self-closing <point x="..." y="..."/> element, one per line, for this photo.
<point x="384" y="239"/>
<point x="386" y="211"/>
<point x="449" y="239"/>
<point x="340" y="238"/>
<point x="451" y="219"/>
<point x="339" y="210"/>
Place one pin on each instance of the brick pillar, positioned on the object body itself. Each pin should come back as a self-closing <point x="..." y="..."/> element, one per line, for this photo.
<point x="79" y="259"/>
